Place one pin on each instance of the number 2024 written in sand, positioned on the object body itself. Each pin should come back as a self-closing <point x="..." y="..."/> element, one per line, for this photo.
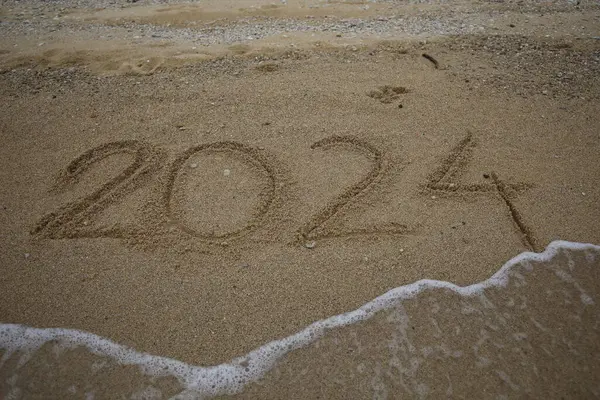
<point x="72" y="219"/>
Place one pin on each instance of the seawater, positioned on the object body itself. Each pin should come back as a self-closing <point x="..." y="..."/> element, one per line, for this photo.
<point x="535" y="320"/>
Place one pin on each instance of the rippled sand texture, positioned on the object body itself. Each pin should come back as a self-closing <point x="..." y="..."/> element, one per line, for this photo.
<point x="531" y="329"/>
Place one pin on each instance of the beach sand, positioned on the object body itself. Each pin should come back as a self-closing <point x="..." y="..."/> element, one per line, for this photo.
<point x="198" y="197"/>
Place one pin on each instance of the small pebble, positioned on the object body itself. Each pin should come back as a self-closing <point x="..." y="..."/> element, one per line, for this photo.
<point x="310" y="245"/>
<point x="226" y="172"/>
<point x="433" y="197"/>
<point x="194" y="165"/>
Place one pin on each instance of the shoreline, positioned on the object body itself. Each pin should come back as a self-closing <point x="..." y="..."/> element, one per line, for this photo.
<point x="231" y="378"/>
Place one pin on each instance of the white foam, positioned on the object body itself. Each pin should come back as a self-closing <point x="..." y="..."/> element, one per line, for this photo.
<point x="230" y="378"/>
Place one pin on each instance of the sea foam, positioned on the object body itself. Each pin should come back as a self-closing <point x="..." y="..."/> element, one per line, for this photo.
<point x="232" y="377"/>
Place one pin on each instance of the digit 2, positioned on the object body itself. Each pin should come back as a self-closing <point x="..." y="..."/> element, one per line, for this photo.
<point x="316" y="226"/>
<point x="70" y="221"/>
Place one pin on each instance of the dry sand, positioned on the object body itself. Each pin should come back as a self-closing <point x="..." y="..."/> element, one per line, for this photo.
<point x="195" y="197"/>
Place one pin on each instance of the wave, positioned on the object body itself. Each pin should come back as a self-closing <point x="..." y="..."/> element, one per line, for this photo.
<point x="22" y="342"/>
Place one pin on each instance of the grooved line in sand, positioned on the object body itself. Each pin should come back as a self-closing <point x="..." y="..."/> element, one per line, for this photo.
<point x="310" y="230"/>
<point x="527" y="236"/>
<point x="451" y="168"/>
<point x="249" y="154"/>
<point x="70" y="220"/>
<point x="444" y="177"/>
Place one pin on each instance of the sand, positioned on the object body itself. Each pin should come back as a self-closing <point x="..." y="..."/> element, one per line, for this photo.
<point x="197" y="204"/>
